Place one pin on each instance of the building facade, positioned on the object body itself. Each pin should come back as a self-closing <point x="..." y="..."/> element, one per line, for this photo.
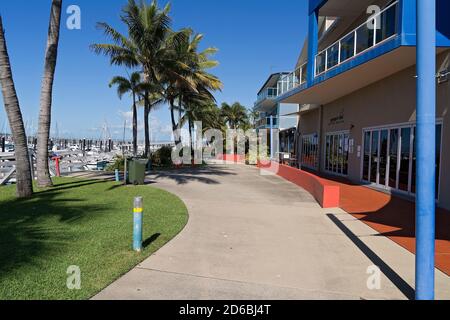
<point x="279" y="119"/>
<point x="355" y="82"/>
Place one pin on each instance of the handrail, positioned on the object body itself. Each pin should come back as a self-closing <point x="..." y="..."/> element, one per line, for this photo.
<point x="362" y="24"/>
<point x="265" y="122"/>
<point x="265" y="94"/>
<point x="299" y="68"/>
<point x="286" y="79"/>
<point x="353" y="32"/>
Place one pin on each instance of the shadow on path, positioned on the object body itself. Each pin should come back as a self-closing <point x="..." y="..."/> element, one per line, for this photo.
<point x="398" y="281"/>
<point x="203" y="175"/>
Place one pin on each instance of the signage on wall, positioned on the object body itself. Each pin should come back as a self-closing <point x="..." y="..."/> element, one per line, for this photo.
<point x="338" y="119"/>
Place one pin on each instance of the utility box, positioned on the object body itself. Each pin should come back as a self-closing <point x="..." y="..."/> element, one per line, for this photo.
<point x="136" y="171"/>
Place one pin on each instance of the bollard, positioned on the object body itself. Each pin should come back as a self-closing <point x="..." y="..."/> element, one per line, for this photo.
<point x="117" y="175"/>
<point x="57" y="168"/>
<point x="137" y="222"/>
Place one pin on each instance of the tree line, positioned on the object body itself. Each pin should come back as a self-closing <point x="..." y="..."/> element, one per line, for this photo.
<point x="164" y="66"/>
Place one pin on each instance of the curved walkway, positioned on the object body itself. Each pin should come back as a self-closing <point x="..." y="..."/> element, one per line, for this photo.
<point x="253" y="236"/>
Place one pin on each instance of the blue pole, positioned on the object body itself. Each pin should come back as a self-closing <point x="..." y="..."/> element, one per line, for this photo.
<point x="117" y="175"/>
<point x="137" y="223"/>
<point x="426" y="149"/>
<point x="313" y="45"/>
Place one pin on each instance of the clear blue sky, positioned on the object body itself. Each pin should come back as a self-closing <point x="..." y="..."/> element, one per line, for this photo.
<point x="255" y="38"/>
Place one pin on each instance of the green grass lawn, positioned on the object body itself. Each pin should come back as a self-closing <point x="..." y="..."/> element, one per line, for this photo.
<point x="83" y="223"/>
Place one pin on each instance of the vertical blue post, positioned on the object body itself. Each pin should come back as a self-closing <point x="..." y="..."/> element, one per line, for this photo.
<point x="137" y="224"/>
<point x="426" y="149"/>
<point x="313" y="45"/>
<point x="117" y="175"/>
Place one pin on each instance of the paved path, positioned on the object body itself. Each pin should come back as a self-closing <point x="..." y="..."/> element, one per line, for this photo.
<point x="253" y="236"/>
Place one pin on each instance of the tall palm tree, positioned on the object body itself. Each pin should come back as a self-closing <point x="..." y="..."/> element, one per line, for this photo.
<point x="186" y="72"/>
<point x="235" y="115"/>
<point x="144" y="47"/>
<point x="252" y="117"/>
<point x="43" y="173"/>
<point x="150" y="99"/>
<point x="197" y="107"/>
<point x="12" y="107"/>
<point x="130" y="85"/>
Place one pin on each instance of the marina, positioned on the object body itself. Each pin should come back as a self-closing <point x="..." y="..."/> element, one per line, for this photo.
<point x="73" y="155"/>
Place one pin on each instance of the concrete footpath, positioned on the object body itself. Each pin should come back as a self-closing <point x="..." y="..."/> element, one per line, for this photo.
<point x="253" y="236"/>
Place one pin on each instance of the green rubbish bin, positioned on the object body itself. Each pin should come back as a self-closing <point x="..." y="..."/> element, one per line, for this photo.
<point x="136" y="171"/>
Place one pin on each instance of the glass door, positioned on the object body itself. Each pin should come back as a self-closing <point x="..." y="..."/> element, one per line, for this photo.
<point x="336" y="153"/>
<point x="383" y="171"/>
<point x="389" y="158"/>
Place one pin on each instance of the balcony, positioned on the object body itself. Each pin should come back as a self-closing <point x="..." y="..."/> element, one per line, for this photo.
<point x="292" y="80"/>
<point x="382" y="46"/>
<point x="264" y="123"/>
<point x="266" y="99"/>
<point x="269" y="93"/>
<point x="378" y="29"/>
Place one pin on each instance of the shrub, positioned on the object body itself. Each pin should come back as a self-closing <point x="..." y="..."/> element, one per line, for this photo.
<point x="119" y="163"/>
<point x="162" y="157"/>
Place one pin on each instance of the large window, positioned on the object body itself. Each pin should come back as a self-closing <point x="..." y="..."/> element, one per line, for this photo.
<point x="310" y="151"/>
<point x="389" y="159"/>
<point x="287" y="141"/>
<point x="336" y="153"/>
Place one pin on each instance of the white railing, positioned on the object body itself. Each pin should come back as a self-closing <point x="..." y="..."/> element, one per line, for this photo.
<point x="292" y="80"/>
<point x="379" y="28"/>
<point x="269" y="93"/>
<point x="265" y="122"/>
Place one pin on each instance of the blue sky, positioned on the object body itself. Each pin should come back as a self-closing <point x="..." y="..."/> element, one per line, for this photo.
<point x="254" y="38"/>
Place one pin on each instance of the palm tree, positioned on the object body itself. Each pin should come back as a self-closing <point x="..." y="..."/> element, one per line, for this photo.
<point x="130" y="85"/>
<point x="144" y="47"/>
<point x="43" y="173"/>
<point x="185" y="73"/>
<point x="12" y="107"/>
<point x="150" y="99"/>
<point x="235" y="115"/>
<point x="198" y="107"/>
<point x="252" y="117"/>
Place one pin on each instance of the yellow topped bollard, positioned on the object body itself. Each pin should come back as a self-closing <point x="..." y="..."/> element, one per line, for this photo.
<point x="138" y="212"/>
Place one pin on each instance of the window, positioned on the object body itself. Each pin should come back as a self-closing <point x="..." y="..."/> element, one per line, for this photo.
<point x="336" y="153"/>
<point x="390" y="157"/>
<point x="310" y="151"/>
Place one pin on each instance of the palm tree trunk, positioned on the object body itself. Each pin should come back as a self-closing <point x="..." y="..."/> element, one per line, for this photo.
<point x="179" y="110"/>
<point x="43" y="173"/>
<point x="23" y="170"/>
<point x="146" y="124"/>
<point x="191" y="140"/>
<point x="176" y="136"/>
<point x="135" y="127"/>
